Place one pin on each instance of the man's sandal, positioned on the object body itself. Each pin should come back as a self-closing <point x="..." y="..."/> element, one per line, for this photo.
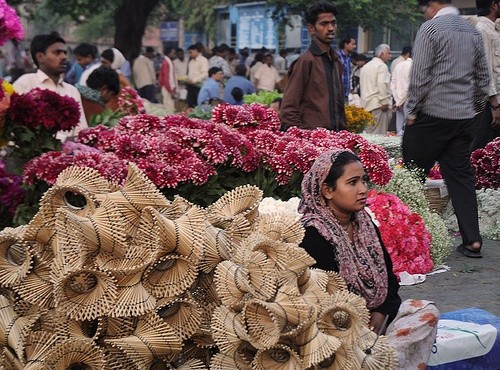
<point x="468" y="251"/>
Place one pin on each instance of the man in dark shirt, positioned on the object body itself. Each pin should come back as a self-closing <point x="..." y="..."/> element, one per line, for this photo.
<point x="314" y="95"/>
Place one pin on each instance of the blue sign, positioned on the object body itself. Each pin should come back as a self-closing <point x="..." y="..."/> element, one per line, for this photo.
<point x="256" y="27"/>
<point x="169" y="31"/>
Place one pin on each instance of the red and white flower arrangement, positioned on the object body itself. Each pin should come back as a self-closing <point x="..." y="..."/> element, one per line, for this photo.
<point x="239" y="142"/>
<point x="403" y="232"/>
<point x="486" y="165"/>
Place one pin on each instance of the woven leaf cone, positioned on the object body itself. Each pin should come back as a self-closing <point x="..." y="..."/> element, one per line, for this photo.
<point x="193" y="364"/>
<point x="242" y="201"/>
<point x="343" y="316"/>
<point x="141" y="253"/>
<point x="274" y="250"/>
<point x="203" y="338"/>
<point x="14" y="328"/>
<point x="313" y="278"/>
<point x="38" y="344"/>
<point x="373" y="353"/>
<point x="218" y="247"/>
<point x="36" y="288"/>
<point x="296" y="309"/>
<point x="15" y="258"/>
<point x="177" y="207"/>
<point x="298" y="259"/>
<point x="183" y="235"/>
<point x="68" y="328"/>
<point x="56" y="198"/>
<point x="222" y="361"/>
<point x="232" y="284"/>
<point x="228" y="330"/>
<point x="103" y="230"/>
<point x="70" y="352"/>
<point x="152" y="338"/>
<point x="86" y="177"/>
<point x="265" y="322"/>
<point x="41" y="229"/>
<point x="204" y="291"/>
<point x="116" y="327"/>
<point x="280" y="226"/>
<point x="137" y="193"/>
<point x="184" y="315"/>
<point x="8" y="360"/>
<point x="342" y="359"/>
<point x="262" y="275"/>
<point x="315" y="295"/>
<point x="132" y="298"/>
<point x="86" y="294"/>
<point x="169" y="276"/>
<point x="316" y="346"/>
<point x="278" y="357"/>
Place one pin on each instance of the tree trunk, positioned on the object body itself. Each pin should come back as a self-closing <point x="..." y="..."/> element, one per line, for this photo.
<point x="130" y="22"/>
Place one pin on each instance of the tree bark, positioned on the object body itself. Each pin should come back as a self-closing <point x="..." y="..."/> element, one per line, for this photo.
<point x="130" y="22"/>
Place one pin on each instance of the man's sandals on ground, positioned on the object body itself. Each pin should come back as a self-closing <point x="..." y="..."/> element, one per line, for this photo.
<point x="468" y="251"/>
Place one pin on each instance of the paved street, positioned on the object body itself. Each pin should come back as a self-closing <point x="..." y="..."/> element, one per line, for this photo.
<point x="469" y="283"/>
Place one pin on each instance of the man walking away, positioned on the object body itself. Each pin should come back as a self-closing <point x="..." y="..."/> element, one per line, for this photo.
<point x="447" y="89"/>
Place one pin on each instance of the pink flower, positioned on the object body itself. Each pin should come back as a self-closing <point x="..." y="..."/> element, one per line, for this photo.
<point x="403" y="232"/>
<point x="10" y="24"/>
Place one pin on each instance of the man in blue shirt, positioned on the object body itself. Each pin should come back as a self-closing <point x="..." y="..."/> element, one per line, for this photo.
<point x="347" y="46"/>
<point x="211" y="88"/>
<point x="237" y="86"/>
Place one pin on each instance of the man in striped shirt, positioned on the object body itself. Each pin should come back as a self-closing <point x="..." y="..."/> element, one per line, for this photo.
<point x="448" y="86"/>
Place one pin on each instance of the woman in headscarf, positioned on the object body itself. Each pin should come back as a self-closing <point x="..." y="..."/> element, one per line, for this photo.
<point x="341" y="237"/>
<point x="114" y="59"/>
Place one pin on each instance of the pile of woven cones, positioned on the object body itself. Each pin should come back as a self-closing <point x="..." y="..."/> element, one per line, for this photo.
<point x="119" y="277"/>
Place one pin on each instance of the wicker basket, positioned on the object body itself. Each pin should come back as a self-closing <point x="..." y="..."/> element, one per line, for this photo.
<point x="437" y="203"/>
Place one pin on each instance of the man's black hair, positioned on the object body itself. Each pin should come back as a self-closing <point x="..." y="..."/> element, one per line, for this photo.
<point x="213" y="71"/>
<point x="85" y="49"/>
<point x="315" y="10"/>
<point x="104" y="77"/>
<point x="41" y="43"/>
<point x="240" y="70"/>
<point x="347" y="39"/>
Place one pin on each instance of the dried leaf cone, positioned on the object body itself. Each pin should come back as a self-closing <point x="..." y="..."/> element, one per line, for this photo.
<point x="278" y="357"/>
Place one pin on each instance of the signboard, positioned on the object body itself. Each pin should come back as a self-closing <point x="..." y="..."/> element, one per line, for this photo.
<point x="169" y="31"/>
<point x="256" y="28"/>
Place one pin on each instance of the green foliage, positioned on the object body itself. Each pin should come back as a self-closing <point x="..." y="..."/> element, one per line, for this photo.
<point x="107" y="118"/>
<point x="370" y="14"/>
<point x="202" y="111"/>
<point x="262" y="97"/>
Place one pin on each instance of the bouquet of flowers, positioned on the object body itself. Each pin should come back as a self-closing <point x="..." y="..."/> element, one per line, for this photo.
<point x="403" y="232"/>
<point x="129" y="102"/>
<point x="10" y="25"/>
<point x="200" y="160"/>
<point x="32" y="121"/>
<point x="486" y="165"/>
<point x="357" y="118"/>
<point x="406" y="185"/>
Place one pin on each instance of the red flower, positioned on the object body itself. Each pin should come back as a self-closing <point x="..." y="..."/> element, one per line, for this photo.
<point x="44" y="108"/>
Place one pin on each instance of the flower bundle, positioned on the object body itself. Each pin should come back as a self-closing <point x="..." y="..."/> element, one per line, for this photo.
<point x="435" y="172"/>
<point x="486" y="165"/>
<point x="10" y="24"/>
<point x="357" y="118"/>
<point x="200" y="159"/>
<point x="405" y="184"/>
<point x="129" y="102"/>
<point x="11" y="192"/>
<point x="40" y="108"/>
<point x="246" y="115"/>
<point x="403" y="232"/>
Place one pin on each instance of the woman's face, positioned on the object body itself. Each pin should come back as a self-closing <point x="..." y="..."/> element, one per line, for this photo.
<point x="350" y="194"/>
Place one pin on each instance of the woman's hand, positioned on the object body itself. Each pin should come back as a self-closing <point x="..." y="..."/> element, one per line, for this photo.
<point x="377" y="320"/>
